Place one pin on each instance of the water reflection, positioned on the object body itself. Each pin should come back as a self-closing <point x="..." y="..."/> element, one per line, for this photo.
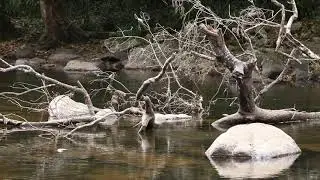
<point x="234" y="169"/>
<point x="170" y="152"/>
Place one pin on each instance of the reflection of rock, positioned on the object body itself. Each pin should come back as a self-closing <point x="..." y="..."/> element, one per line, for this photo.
<point x="62" y="107"/>
<point x="256" y="141"/>
<point x="35" y="63"/>
<point x="233" y="169"/>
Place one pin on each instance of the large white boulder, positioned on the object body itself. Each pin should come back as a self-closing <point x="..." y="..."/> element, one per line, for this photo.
<point x="253" y="141"/>
<point x="63" y="107"/>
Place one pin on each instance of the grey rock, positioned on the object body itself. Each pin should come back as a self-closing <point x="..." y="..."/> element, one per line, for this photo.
<point x="35" y="63"/>
<point x="271" y="62"/>
<point x="139" y="58"/>
<point x="115" y="44"/>
<point x="63" y="56"/>
<point x="84" y="66"/>
<point x="144" y="57"/>
<point x="25" y="51"/>
<point x="171" y="118"/>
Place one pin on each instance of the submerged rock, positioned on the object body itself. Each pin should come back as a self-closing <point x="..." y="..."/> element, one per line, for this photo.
<point x="171" y="118"/>
<point x="253" y="141"/>
<point x="62" y="107"/>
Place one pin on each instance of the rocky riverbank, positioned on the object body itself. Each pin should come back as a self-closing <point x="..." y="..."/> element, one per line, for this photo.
<point x="115" y="54"/>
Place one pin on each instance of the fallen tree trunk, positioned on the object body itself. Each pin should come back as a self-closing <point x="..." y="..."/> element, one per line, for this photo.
<point x="248" y="111"/>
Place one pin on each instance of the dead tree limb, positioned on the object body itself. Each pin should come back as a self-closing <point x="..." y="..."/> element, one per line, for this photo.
<point x="278" y="79"/>
<point x="148" y="116"/>
<point x="56" y="123"/>
<point x="152" y="80"/>
<point x="248" y="111"/>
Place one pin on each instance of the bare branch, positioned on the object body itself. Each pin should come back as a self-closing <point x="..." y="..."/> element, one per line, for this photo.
<point x="126" y="111"/>
<point x="278" y="79"/>
<point x="152" y="80"/>
<point x="30" y="70"/>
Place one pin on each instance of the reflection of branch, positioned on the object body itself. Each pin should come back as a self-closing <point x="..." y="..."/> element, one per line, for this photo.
<point x="126" y="111"/>
<point x="149" y="81"/>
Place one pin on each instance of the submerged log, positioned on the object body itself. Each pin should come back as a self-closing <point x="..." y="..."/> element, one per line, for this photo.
<point x="171" y="118"/>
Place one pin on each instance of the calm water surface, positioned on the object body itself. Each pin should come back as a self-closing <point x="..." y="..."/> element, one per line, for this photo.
<point x="170" y="152"/>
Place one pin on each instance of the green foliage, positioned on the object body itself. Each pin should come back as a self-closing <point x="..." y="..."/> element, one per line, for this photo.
<point x="20" y="8"/>
<point x="309" y="8"/>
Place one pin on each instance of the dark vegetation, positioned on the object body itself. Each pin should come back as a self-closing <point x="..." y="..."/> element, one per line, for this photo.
<point x="103" y="17"/>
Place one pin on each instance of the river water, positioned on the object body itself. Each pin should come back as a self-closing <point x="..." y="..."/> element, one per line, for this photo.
<point x="170" y="152"/>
